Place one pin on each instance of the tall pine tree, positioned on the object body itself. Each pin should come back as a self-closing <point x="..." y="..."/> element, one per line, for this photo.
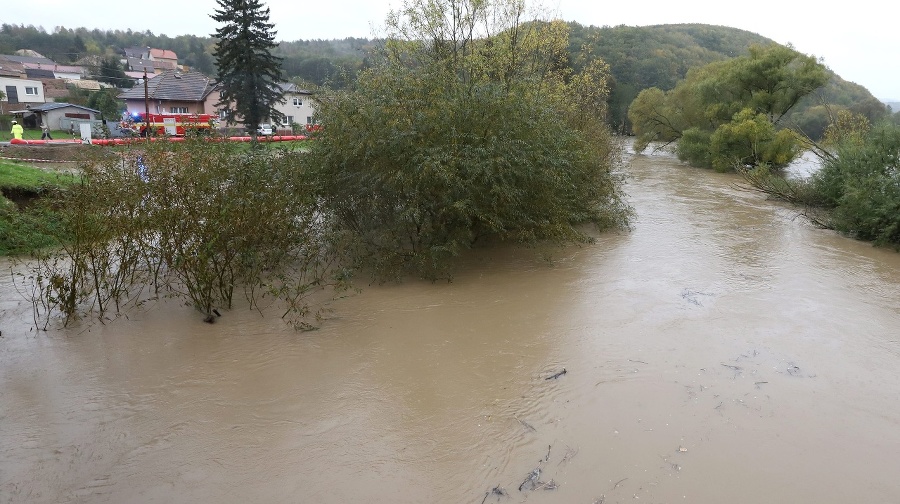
<point x="248" y="72"/>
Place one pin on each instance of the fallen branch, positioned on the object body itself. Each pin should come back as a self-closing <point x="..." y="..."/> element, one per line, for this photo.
<point x="570" y="452"/>
<point x="550" y="485"/>
<point x="531" y="479"/>
<point x="557" y="375"/>
<point x="499" y="492"/>
<point x="527" y="425"/>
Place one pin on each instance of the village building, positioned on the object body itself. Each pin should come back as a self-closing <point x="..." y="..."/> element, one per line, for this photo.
<point x="173" y="92"/>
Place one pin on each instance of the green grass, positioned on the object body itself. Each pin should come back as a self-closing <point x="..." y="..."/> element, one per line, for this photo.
<point x="35" y="134"/>
<point x="17" y="175"/>
<point x="22" y="231"/>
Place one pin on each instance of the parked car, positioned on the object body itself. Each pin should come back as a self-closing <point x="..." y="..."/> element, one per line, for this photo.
<point x="264" y="129"/>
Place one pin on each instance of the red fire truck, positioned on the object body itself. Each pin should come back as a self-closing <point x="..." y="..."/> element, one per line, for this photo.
<point x="169" y="124"/>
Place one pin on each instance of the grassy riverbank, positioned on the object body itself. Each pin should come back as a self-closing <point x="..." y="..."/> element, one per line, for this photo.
<point x="26" y="225"/>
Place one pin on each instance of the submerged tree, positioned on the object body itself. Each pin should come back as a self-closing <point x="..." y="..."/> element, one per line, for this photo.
<point x="248" y="72"/>
<point x="728" y="114"/>
<point x="194" y="220"/>
<point x="469" y="125"/>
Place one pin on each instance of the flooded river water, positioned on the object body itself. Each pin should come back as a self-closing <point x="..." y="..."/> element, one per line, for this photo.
<point x="722" y="351"/>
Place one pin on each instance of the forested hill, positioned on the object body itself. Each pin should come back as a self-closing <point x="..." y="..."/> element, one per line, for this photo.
<point x="639" y="58"/>
<point x="659" y="56"/>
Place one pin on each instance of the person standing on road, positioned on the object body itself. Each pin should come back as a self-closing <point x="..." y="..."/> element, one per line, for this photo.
<point x="45" y="132"/>
<point x="17" y="130"/>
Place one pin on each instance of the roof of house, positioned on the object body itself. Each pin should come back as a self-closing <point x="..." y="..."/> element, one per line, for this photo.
<point x="11" y="68"/>
<point x="27" y="59"/>
<point x="289" y="87"/>
<point x="163" y="54"/>
<point x="53" y="67"/>
<point x="174" y="86"/>
<point x="140" y="65"/>
<point x="36" y="73"/>
<point x="55" y="88"/>
<point x="137" y="52"/>
<point x="47" y="107"/>
<point x="165" y="65"/>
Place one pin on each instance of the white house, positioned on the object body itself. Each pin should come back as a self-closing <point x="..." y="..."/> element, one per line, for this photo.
<point x="58" y="116"/>
<point x="18" y="93"/>
<point x="298" y="106"/>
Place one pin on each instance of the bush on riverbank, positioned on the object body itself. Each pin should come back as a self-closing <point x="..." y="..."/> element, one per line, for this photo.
<point x="857" y="189"/>
<point x="860" y="186"/>
<point x="193" y="220"/>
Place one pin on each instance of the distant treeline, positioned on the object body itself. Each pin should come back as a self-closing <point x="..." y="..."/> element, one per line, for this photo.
<point x="639" y="58"/>
<point x="318" y="62"/>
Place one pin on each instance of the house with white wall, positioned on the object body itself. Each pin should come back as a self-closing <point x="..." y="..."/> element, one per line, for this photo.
<point x="19" y="93"/>
<point x="297" y="106"/>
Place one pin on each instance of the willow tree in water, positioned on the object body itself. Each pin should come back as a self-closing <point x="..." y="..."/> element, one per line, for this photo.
<point x="728" y="114"/>
<point x="468" y="126"/>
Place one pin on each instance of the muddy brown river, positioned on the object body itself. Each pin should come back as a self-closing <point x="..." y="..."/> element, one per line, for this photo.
<point x="722" y="351"/>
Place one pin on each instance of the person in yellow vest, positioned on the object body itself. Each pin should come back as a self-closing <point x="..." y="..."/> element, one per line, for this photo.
<point x="16" y="130"/>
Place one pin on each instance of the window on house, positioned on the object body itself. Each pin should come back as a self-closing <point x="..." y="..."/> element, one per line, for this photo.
<point x="223" y="114"/>
<point x="30" y="91"/>
<point x="308" y="119"/>
<point x="179" y="110"/>
<point x="12" y="94"/>
<point x="290" y="120"/>
<point x="298" y="102"/>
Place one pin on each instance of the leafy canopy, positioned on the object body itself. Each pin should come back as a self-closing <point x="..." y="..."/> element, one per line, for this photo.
<point x="860" y="184"/>
<point x="728" y="113"/>
<point x="248" y="72"/>
<point x="468" y="126"/>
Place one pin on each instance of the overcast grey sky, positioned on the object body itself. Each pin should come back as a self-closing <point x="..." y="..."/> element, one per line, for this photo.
<point x="859" y="40"/>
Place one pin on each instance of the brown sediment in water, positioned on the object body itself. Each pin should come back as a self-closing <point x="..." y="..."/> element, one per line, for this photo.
<point x="721" y="351"/>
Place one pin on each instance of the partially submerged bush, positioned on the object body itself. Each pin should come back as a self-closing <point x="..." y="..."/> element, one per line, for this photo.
<point x="194" y="220"/>
<point x="465" y="132"/>
<point x="857" y="189"/>
<point x="861" y="186"/>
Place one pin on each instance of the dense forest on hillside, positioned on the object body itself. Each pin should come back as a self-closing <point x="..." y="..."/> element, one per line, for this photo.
<point x="318" y="62"/>
<point x="660" y="56"/>
<point x="639" y="58"/>
<point x="656" y="56"/>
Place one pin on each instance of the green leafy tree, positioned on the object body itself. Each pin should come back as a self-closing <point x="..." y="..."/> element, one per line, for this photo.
<point x="857" y="189"/>
<point x="861" y="184"/>
<point x="729" y="113"/>
<point x="107" y="102"/>
<point x="248" y="71"/>
<point x="749" y="139"/>
<point x="111" y="71"/>
<point x="464" y="131"/>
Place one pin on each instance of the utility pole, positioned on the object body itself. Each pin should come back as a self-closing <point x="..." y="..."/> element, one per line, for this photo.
<point x="146" y="105"/>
